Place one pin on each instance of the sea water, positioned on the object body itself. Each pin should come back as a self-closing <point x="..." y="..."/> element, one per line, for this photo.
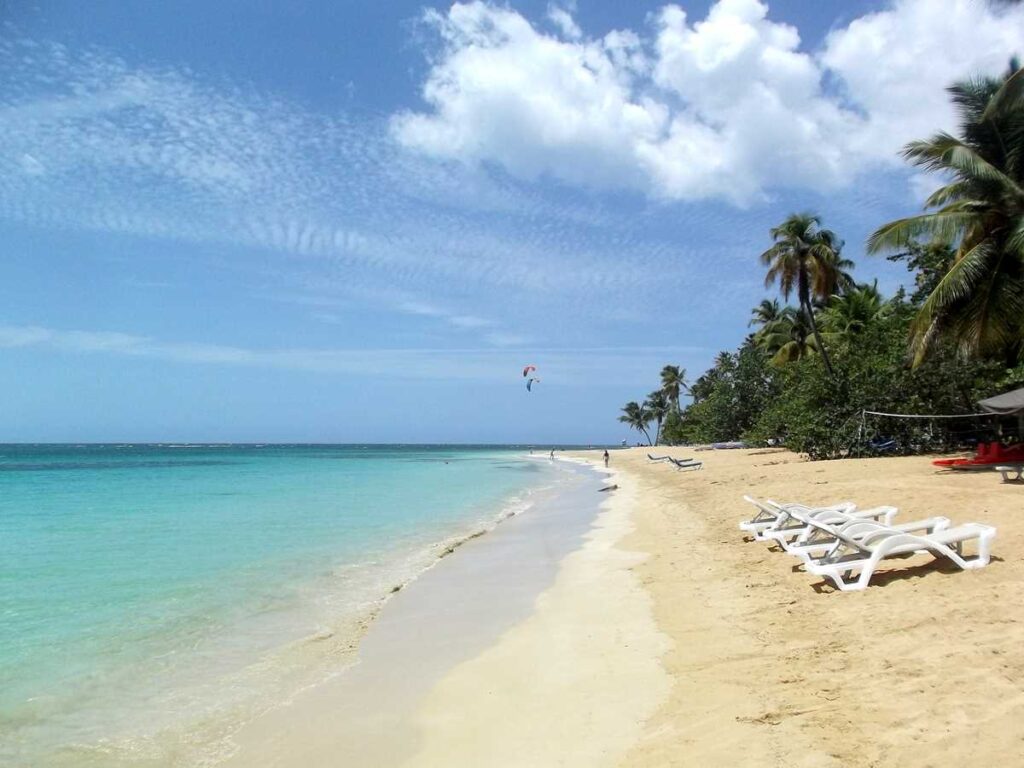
<point x="152" y="597"/>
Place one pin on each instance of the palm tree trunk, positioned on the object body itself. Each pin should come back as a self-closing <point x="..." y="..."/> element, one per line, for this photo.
<point x="657" y="433"/>
<point x="817" y="339"/>
<point x="805" y="303"/>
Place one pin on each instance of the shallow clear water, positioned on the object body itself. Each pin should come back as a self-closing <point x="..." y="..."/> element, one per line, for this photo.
<point x="153" y="592"/>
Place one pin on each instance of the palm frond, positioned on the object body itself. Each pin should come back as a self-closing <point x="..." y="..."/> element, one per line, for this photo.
<point x="1009" y="96"/>
<point x="944" y="227"/>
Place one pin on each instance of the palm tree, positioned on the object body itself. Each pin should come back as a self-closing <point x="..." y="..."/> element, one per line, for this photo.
<point x="1010" y="95"/>
<point x="673" y="381"/>
<point x="636" y="417"/>
<point x="850" y="313"/>
<point x="979" y="302"/>
<point x="764" y="313"/>
<point x="805" y="257"/>
<point x="657" y="406"/>
<point x="788" y="338"/>
<point x="844" y="274"/>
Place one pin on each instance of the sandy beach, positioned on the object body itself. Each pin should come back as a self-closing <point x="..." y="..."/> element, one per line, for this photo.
<point x="757" y="663"/>
<point x="665" y="638"/>
<point x="923" y="668"/>
<point x="534" y="645"/>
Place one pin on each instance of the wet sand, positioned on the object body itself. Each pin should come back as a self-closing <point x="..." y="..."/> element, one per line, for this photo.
<point x="451" y="613"/>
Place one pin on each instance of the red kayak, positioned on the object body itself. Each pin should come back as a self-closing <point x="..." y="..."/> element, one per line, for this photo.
<point x="988" y="455"/>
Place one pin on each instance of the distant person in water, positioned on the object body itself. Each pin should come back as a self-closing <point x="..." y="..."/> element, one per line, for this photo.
<point x="606" y="457"/>
<point x="552" y="453"/>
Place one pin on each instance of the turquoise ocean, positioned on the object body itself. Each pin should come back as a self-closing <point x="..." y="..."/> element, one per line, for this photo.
<point x="154" y="596"/>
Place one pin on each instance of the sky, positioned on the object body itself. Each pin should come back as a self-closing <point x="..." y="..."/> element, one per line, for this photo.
<point x="323" y="221"/>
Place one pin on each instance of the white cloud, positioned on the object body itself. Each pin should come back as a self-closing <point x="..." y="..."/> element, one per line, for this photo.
<point x="611" y="364"/>
<point x="729" y="106"/>
<point x="499" y="339"/>
<point x="321" y="206"/>
<point x="505" y="92"/>
<point x="454" y="319"/>
<point x="895" y="65"/>
<point x="562" y="18"/>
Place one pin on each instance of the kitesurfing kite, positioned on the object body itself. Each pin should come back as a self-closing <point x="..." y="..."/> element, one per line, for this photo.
<point x="529" y="382"/>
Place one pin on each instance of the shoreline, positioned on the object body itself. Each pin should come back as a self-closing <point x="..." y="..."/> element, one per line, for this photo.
<point x="638" y="628"/>
<point x="574" y="682"/>
<point x="196" y="733"/>
<point x="451" y="611"/>
<point x="724" y="653"/>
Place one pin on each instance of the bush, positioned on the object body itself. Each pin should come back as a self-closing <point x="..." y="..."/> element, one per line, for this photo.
<point x="819" y="415"/>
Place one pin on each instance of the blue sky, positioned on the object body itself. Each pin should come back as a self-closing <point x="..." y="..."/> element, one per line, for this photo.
<point x="327" y="221"/>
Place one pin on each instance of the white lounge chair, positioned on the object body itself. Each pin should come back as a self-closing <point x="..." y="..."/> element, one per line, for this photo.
<point x="822" y="538"/>
<point x="852" y="563"/>
<point x="1011" y="469"/>
<point x="769" y="512"/>
<point x="687" y="464"/>
<point x="795" y="523"/>
<point x="661" y="458"/>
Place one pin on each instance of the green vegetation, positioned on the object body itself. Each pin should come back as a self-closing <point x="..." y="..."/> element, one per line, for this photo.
<point x="979" y="301"/>
<point x="806" y="372"/>
<point x="637" y="417"/>
<point x="806" y="257"/>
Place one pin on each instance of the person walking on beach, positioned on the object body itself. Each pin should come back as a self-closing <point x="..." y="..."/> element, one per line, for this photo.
<point x="606" y="458"/>
<point x="552" y="453"/>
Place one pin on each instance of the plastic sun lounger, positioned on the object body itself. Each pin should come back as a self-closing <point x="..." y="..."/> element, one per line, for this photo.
<point x="769" y="512"/>
<point x="794" y="523"/>
<point x="1011" y="469"/>
<point x="822" y="538"/>
<point x="687" y="463"/>
<point x="852" y="563"/>
<point x="659" y="458"/>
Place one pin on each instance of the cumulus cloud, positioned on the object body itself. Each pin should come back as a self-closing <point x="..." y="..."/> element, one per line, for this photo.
<point x="729" y="107"/>
<point x="562" y="18"/>
<point x="504" y="91"/>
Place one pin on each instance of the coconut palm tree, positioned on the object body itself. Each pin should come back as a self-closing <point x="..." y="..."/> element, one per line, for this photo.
<point x="979" y="302"/>
<point x="850" y="313"/>
<point x="766" y="312"/>
<point x="788" y="338"/>
<point x="657" y="406"/>
<point x="673" y="382"/>
<point x="637" y="417"/>
<point x="1010" y="95"/>
<point x="844" y="274"/>
<point x="805" y="258"/>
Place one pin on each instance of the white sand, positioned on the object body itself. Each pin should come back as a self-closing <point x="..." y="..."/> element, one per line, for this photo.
<point x="570" y="686"/>
<point x="669" y="640"/>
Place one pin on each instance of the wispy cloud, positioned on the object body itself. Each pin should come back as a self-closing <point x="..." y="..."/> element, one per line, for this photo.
<point x="329" y="213"/>
<point x="454" y="319"/>
<point x="88" y="142"/>
<point x="610" y="365"/>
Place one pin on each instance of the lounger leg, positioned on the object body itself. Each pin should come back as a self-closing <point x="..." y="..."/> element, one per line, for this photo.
<point x="984" y="551"/>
